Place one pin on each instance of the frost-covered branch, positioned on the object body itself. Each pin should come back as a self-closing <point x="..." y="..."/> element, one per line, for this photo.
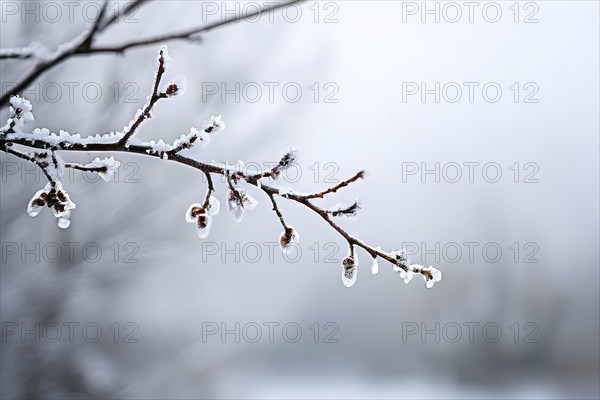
<point x="83" y="43"/>
<point x="48" y="147"/>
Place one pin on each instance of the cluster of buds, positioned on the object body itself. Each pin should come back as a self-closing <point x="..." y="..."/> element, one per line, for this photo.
<point x="350" y="270"/>
<point x="288" y="159"/>
<point x="54" y="197"/>
<point x="406" y="271"/>
<point x="201" y="215"/>
<point x="238" y="201"/>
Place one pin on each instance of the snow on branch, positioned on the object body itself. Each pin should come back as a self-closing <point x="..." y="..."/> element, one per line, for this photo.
<point x="47" y="148"/>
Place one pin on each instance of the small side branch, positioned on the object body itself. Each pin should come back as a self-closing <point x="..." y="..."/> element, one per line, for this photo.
<point x="31" y="158"/>
<point x="320" y="195"/>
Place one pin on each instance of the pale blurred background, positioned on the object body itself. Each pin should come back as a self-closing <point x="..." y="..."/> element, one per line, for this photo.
<point x="542" y="292"/>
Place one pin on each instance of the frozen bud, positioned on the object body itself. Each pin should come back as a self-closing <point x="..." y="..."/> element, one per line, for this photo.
<point x="203" y="225"/>
<point x="235" y="207"/>
<point x="53" y="197"/>
<point x="374" y="266"/>
<point x="191" y="215"/>
<point x="289" y="158"/>
<point x="197" y="136"/>
<point x="198" y="215"/>
<point x="215" y="125"/>
<point x="431" y="276"/>
<point x="36" y="203"/>
<point x="176" y="86"/>
<point x="349" y="271"/>
<point x="239" y="201"/>
<point x="20" y="111"/>
<point x="63" y="204"/>
<point x="109" y="169"/>
<point x="288" y="240"/>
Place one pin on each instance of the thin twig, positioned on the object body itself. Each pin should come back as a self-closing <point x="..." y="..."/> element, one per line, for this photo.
<point x="190" y="34"/>
<point x="276" y="209"/>
<point x="84" y="168"/>
<point x="156" y="96"/>
<point x="29" y="158"/>
<point x="210" y="190"/>
<point x="320" y="195"/>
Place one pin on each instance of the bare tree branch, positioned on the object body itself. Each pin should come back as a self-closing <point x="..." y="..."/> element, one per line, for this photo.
<point x="12" y="134"/>
<point x="83" y="44"/>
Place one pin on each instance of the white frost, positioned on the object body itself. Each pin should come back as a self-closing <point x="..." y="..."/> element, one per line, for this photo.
<point x="407" y="276"/>
<point x="109" y="164"/>
<point x="20" y="112"/>
<point x="217" y="124"/>
<point x="436" y="276"/>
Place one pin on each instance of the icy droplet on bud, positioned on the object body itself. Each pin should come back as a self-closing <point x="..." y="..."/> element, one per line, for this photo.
<point x="64" y="222"/>
<point x="214" y="205"/>
<point x="374" y="266"/>
<point x="235" y="208"/>
<point x="203" y="225"/>
<point x="431" y="276"/>
<point x="349" y="271"/>
<point x="198" y="215"/>
<point x="288" y="240"/>
<point x="406" y="275"/>
<point x="36" y="203"/>
<point x="239" y="201"/>
<point x="191" y="215"/>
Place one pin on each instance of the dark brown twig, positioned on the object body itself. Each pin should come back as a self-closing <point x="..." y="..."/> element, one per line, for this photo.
<point x="320" y="195"/>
